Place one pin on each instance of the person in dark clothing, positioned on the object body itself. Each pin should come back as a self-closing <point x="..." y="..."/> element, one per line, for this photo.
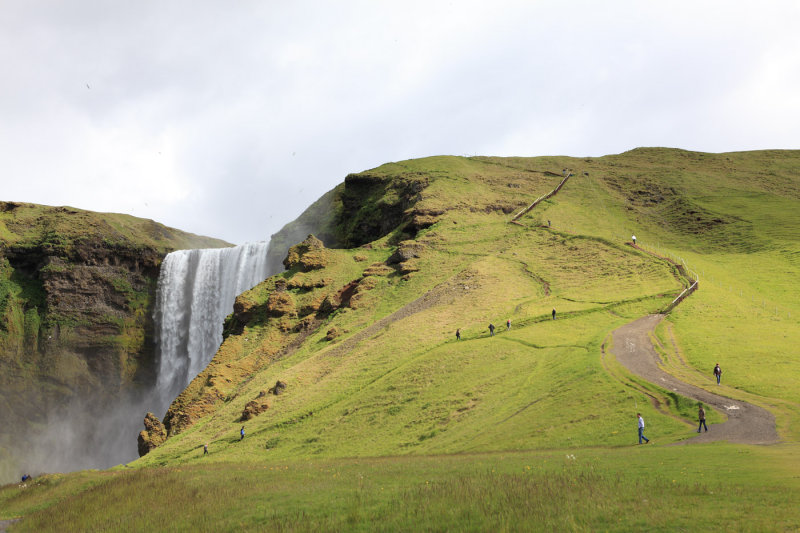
<point x="554" y="314"/>
<point x="205" y="449"/>
<point x="508" y="324"/>
<point x="458" y="334"/>
<point x="701" y="415"/>
<point x="491" y="330"/>
<point x="241" y="432"/>
<point x="717" y="373"/>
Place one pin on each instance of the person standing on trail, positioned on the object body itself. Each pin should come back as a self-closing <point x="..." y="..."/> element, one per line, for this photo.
<point x="701" y="415"/>
<point x="491" y="330"/>
<point x="508" y="324"/>
<point x="633" y="238"/>
<point x="641" y="429"/>
<point x="241" y="432"/>
<point x="458" y="334"/>
<point x="205" y="449"/>
<point x="554" y="314"/>
<point x="717" y="372"/>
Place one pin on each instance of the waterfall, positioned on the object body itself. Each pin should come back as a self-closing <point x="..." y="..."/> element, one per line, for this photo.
<point x="196" y="291"/>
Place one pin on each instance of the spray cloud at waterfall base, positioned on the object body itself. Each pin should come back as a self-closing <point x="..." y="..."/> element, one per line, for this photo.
<point x="196" y="291"/>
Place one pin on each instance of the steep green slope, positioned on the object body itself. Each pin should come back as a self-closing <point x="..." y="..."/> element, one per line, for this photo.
<point x="76" y="293"/>
<point x="362" y="340"/>
<point x="382" y="373"/>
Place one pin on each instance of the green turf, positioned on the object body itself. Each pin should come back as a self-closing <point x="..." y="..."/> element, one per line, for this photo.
<point x="395" y="422"/>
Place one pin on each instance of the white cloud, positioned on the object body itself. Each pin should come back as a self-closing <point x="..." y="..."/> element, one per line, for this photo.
<point x="230" y="119"/>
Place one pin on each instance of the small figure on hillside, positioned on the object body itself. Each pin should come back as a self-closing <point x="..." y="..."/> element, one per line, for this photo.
<point x="25" y="477"/>
<point x="205" y="449"/>
<point x="241" y="432"/>
<point x="458" y="334"/>
<point x="717" y="372"/>
<point x="554" y="314"/>
<point x="548" y="223"/>
<point x="701" y="415"/>
<point x="641" y="429"/>
<point x="508" y="324"/>
<point x="633" y="238"/>
<point x="491" y="330"/>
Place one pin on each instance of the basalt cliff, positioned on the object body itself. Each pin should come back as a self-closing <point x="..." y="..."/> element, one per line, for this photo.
<point x="76" y="295"/>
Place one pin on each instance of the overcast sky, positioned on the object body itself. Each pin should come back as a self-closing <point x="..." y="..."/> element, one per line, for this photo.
<point x="229" y="118"/>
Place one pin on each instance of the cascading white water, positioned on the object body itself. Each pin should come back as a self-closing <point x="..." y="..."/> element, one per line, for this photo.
<point x="196" y="291"/>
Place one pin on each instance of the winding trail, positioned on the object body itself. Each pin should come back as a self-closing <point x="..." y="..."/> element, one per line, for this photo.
<point x="633" y="348"/>
<point x="746" y="424"/>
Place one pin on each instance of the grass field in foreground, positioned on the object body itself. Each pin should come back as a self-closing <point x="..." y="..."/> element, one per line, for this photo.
<point x="653" y="488"/>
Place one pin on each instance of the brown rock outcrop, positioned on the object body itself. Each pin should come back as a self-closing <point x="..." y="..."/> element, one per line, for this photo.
<point x="153" y="435"/>
<point x="280" y="304"/>
<point x="254" y="408"/>
<point x="279" y="387"/>
<point x="307" y="255"/>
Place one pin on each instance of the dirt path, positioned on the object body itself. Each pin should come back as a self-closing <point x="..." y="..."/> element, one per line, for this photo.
<point x="5" y="523"/>
<point x="445" y="292"/>
<point x="747" y="423"/>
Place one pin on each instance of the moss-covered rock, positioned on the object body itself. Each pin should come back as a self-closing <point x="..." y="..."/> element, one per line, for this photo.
<point x="307" y="255"/>
<point x="153" y="435"/>
<point x="280" y="304"/>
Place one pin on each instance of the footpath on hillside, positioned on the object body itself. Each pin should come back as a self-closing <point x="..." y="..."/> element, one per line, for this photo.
<point x="746" y="424"/>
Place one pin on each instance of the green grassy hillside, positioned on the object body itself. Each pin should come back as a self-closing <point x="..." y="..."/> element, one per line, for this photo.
<point x="364" y="340"/>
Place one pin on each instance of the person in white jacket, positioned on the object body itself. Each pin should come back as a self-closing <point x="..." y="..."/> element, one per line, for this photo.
<point x="641" y="429"/>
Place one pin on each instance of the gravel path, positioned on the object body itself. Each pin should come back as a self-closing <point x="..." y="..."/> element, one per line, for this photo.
<point x="747" y="423"/>
<point x="5" y="523"/>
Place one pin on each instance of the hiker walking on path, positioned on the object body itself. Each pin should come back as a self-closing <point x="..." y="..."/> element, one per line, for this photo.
<point x="241" y="432"/>
<point x="491" y="330"/>
<point x="554" y="314"/>
<point x="701" y="415"/>
<point x="633" y="238"/>
<point x="717" y="372"/>
<point x="458" y="334"/>
<point x="641" y="429"/>
<point x="508" y="324"/>
<point x="205" y="449"/>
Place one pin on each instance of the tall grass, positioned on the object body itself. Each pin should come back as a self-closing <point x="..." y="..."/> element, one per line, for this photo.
<point x="658" y="489"/>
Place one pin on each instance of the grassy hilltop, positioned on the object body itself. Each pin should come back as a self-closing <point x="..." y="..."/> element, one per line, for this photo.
<point x="387" y="422"/>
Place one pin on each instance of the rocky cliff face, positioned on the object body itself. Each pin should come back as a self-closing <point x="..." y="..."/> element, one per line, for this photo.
<point x="365" y="207"/>
<point x="76" y="293"/>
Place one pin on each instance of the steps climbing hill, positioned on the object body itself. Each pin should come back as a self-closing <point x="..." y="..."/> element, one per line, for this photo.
<point x="361" y="326"/>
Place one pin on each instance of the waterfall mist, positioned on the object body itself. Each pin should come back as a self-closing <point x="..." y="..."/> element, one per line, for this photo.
<point x="196" y="291"/>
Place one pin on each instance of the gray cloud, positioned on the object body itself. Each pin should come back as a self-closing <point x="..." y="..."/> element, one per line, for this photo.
<point x="229" y="119"/>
